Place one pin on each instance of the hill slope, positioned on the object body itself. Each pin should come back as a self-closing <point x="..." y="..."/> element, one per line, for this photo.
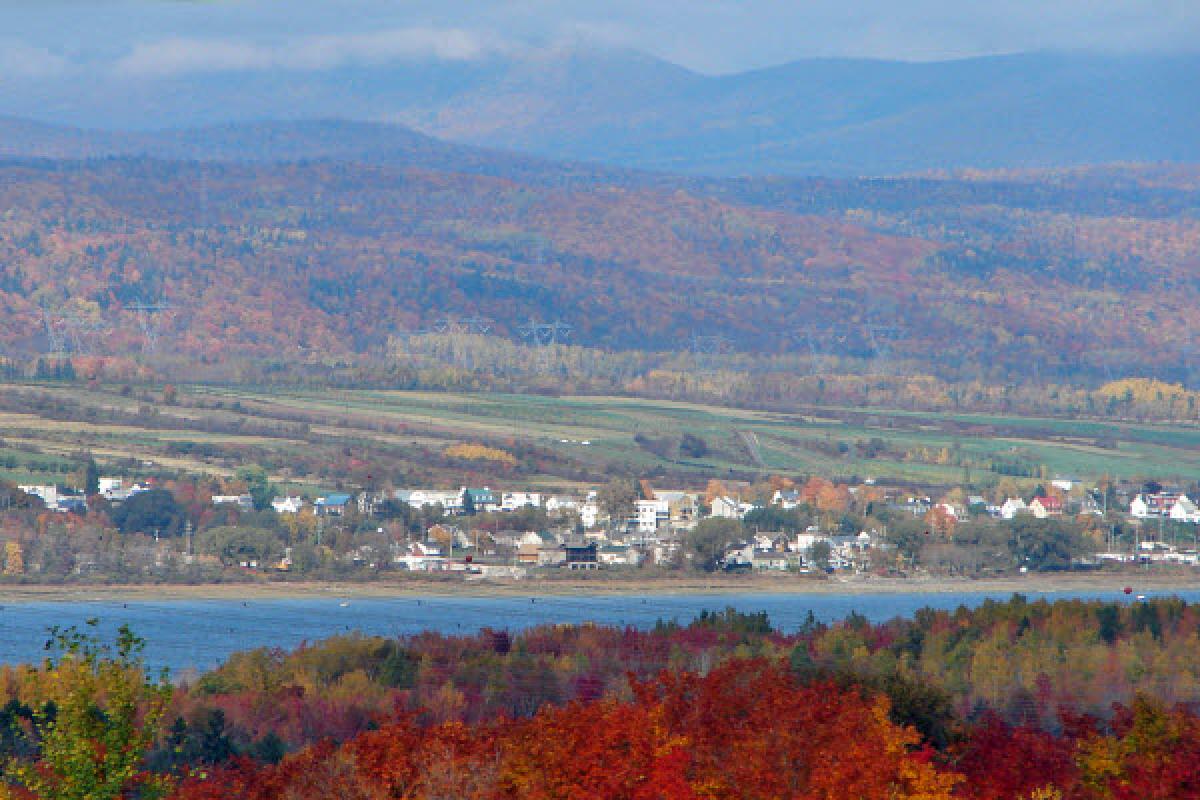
<point x="827" y="117"/>
<point x="984" y="278"/>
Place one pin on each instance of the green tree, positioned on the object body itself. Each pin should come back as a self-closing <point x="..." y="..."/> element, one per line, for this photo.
<point x="707" y="542"/>
<point x="99" y="716"/>
<point x="819" y="554"/>
<point x="151" y="511"/>
<point x="235" y="545"/>
<point x="1044" y="543"/>
<point x="258" y="485"/>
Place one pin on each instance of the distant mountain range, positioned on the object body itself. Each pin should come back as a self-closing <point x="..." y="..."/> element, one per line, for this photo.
<point x="628" y="110"/>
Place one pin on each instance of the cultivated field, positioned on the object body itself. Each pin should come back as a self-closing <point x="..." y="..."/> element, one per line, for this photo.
<point x="320" y="439"/>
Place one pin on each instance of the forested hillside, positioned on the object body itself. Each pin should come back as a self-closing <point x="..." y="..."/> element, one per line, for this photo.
<point x="1076" y="276"/>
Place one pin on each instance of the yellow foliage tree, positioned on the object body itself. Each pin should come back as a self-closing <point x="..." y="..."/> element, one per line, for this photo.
<point x="479" y="452"/>
<point x="14" y="559"/>
<point x="106" y="715"/>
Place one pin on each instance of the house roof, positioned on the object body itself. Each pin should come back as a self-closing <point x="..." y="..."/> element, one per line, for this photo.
<point x="338" y="499"/>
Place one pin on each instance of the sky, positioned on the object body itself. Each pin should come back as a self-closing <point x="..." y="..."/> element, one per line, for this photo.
<point x="150" y="39"/>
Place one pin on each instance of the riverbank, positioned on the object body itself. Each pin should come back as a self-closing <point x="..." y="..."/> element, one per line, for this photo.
<point x="602" y="585"/>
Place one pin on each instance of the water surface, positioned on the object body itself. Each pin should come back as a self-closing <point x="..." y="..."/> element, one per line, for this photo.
<point x="199" y="634"/>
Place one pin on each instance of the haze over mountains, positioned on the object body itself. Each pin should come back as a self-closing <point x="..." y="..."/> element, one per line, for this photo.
<point x="622" y="108"/>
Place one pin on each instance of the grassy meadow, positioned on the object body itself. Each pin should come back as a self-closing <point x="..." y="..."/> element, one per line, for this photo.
<point x="562" y="441"/>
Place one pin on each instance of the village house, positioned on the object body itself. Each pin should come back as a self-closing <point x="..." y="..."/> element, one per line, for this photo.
<point x="787" y="499"/>
<point x="513" y="501"/>
<point x="727" y="507"/>
<point x="450" y="501"/>
<point x="1159" y="504"/>
<point x="683" y="508"/>
<point x="243" y="501"/>
<point x="555" y="504"/>
<point x="1184" y="510"/>
<point x="332" y="505"/>
<point x="619" y="555"/>
<point x="478" y="501"/>
<point x="649" y="514"/>
<point x="116" y="493"/>
<point x="1013" y="506"/>
<point x="589" y="512"/>
<point x="287" y="505"/>
<point x="419" y="557"/>
<point x="580" y="555"/>
<point x="1049" y="506"/>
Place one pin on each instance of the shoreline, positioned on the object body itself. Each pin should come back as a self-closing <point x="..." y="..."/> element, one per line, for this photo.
<point x="534" y="587"/>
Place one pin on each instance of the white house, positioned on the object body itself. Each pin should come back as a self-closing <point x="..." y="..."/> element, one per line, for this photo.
<point x="512" y="501"/>
<point x="787" y="499"/>
<point x="730" y="508"/>
<point x="589" y="512"/>
<point x="421" y="557"/>
<point x="243" y="501"/>
<point x="1185" y="510"/>
<point x="650" y="513"/>
<point x="106" y="485"/>
<point x="47" y="494"/>
<point x="287" y="505"/>
<point x="1153" y="505"/>
<point x="1013" y="506"/>
<point x="557" y="503"/>
<point x="619" y="555"/>
<point x="1065" y="483"/>
<point x="450" y="501"/>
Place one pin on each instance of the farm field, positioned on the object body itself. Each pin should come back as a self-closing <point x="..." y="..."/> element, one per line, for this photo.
<point x="327" y="438"/>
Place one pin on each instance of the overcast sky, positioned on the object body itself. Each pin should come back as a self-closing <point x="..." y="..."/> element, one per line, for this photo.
<point x="148" y="38"/>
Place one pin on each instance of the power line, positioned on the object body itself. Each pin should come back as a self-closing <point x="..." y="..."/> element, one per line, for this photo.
<point x="148" y="316"/>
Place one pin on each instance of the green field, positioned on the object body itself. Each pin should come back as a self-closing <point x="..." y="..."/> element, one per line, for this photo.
<point x="214" y="430"/>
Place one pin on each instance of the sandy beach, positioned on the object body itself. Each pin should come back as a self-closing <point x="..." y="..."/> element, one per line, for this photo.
<point x="696" y="584"/>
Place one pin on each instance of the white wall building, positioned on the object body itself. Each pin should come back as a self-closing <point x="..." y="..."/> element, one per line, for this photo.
<point x="1013" y="506"/>
<point x="287" y="505"/>
<point x="512" y="501"/>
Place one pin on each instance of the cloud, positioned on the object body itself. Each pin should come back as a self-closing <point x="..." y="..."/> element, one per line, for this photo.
<point x="177" y="56"/>
<point x="18" y="60"/>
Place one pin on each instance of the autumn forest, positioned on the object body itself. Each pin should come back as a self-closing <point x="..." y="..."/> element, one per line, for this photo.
<point x="1013" y="700"/>
<point x="407" y="275"/>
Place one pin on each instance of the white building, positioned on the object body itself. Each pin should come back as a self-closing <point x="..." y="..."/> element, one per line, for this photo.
<point x="730" y="508"/>
<point x="557" y="503"/>
<point x="1184" y="510"/>
<point x="1153" y="505"/>
<point x="421" y="557"/>
<point x="787" y="499"/>
<point x="1013" y="506"/>
<point x="243" y="501"/>
<point x="47" y="494"/>
<point x="106" y="485"/>
<point x="589" y="512"/>
<point x="287" y="505"/>
<point x="512" y="501"/>
<point x="650" y="513"/>
<point x="450" y="501"/>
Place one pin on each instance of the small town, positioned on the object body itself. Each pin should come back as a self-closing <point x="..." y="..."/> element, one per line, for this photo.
<point x="111" y="528"/>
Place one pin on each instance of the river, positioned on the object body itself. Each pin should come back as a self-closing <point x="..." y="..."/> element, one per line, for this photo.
<point x="187" y="635"/>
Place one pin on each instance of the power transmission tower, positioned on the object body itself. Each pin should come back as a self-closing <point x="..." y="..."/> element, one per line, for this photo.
<point x="479" y="326"/>
<point x="544" y="337"/>
<point x="458" y="331"/>
<point x="82" y="333"/>
<point x="56" y="332"/>
<point x="148" y="316"/>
